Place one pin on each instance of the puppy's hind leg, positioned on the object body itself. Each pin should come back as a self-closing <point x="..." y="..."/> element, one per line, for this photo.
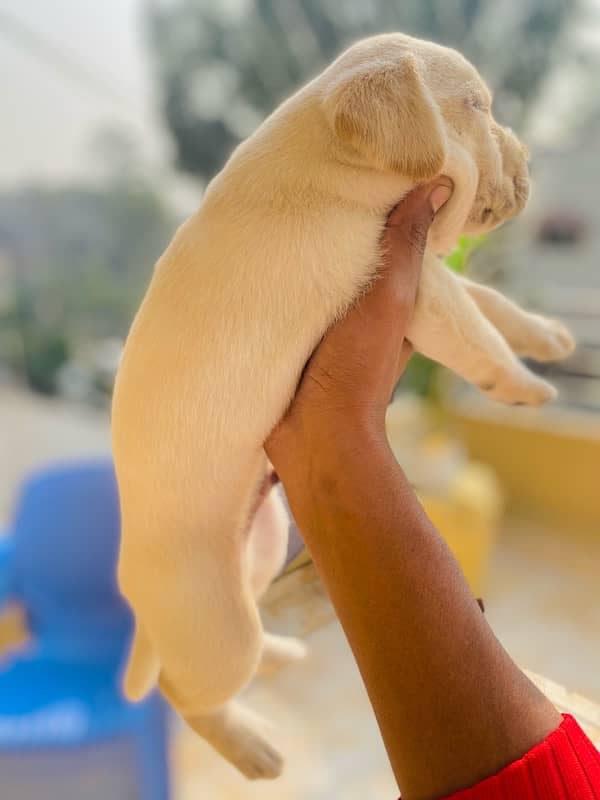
<point x="278" y="651"/>
<point x="267" y="545"/>
<point x="184" y="571"/>
<point x="267" y="541"/>
<point x="235" y="733"/>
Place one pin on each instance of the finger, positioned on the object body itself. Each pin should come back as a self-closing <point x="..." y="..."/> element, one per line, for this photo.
<point x="405" y="239"/>
<point x="420" y="205"/>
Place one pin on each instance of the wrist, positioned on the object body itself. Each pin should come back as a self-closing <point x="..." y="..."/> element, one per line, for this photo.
<point x="329" y="463"/>
<point x="321" y="442"/>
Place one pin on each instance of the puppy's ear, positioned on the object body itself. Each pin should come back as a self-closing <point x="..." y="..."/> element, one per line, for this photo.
<point x="385" y="113"/>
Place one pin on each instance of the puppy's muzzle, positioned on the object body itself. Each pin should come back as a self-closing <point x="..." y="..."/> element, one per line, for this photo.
<point x="510" y="194"/>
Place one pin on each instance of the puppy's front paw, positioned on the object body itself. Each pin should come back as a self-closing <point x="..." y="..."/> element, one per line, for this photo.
<point x="549" y="340"/>
<point x="518" y="387"/>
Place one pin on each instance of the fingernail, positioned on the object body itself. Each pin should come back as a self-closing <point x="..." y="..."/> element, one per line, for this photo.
<point x="440" y="195"/>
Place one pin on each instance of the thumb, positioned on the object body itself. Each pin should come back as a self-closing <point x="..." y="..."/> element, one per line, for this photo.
<point x="411" y="218"/>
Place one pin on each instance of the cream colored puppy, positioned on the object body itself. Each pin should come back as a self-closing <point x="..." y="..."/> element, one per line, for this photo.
<point x="286" y="238"/>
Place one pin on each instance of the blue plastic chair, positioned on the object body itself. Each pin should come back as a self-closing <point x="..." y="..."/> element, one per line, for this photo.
<point x="66" y="733"/>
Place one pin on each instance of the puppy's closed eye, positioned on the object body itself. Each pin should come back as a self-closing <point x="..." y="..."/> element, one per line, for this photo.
<point x="478" y="96"/>
<point x="478" y="102"/>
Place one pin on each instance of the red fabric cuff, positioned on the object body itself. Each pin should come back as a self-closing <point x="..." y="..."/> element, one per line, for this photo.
<point x="565" y="766"/>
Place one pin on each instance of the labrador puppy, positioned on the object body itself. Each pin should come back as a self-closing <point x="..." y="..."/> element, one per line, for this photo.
<point x="287" y="237"/>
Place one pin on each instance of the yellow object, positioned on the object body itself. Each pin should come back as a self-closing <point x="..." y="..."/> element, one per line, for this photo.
<point x="467" y="516"/>
<point x="13" y="630"/>
<point x="548" y="461"/>
<point x="299" y="560"/>
<point x="462" y="498"/>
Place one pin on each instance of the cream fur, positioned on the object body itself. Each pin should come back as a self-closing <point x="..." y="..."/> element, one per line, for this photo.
<point x="286" y="238"/>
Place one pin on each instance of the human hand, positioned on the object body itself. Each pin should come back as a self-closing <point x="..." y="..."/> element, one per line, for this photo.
<point x="352" y="373"/>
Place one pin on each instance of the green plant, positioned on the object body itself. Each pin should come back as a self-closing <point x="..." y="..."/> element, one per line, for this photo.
<point x="459" y="258"/>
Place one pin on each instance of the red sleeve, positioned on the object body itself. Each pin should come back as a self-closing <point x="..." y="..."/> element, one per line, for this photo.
<point x="565" y="766"/>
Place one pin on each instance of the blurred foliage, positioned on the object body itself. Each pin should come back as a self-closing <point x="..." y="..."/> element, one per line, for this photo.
<point x="46" y="352"/>
<point x="75" y="262"/>
<point x="221" y="67"/>
<point x="421" y="376"/>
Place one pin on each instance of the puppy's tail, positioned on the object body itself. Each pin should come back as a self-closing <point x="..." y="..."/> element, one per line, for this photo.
<point x="143" y="667"/>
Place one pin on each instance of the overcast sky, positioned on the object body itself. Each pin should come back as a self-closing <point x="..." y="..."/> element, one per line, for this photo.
<point x="49" y="117"/>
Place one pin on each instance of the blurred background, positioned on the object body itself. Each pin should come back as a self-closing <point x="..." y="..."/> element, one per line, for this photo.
<point x="115" y="117"/>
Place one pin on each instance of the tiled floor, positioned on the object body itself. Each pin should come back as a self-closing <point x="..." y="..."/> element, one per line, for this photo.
<point x="543" y="601"/>
<point x="544" y="604"/>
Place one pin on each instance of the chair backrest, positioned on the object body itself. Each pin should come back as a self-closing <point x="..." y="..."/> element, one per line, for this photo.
<point x="65" y="730"/>
<point x="66" y="534"/>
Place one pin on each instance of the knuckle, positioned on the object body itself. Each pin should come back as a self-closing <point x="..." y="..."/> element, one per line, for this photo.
<point x="417" y="235"/>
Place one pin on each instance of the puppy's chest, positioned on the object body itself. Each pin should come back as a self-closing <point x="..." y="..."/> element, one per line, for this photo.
<point x="330" y="261"/>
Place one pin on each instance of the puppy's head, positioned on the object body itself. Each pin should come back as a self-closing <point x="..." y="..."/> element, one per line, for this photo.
<point x="413" y="107"/>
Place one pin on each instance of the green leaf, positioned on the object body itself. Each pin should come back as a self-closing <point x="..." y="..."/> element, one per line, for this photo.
<point x="466" y="246"/>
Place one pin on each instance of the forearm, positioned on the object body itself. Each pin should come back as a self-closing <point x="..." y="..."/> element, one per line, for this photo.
<point x="427" y="656"/>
